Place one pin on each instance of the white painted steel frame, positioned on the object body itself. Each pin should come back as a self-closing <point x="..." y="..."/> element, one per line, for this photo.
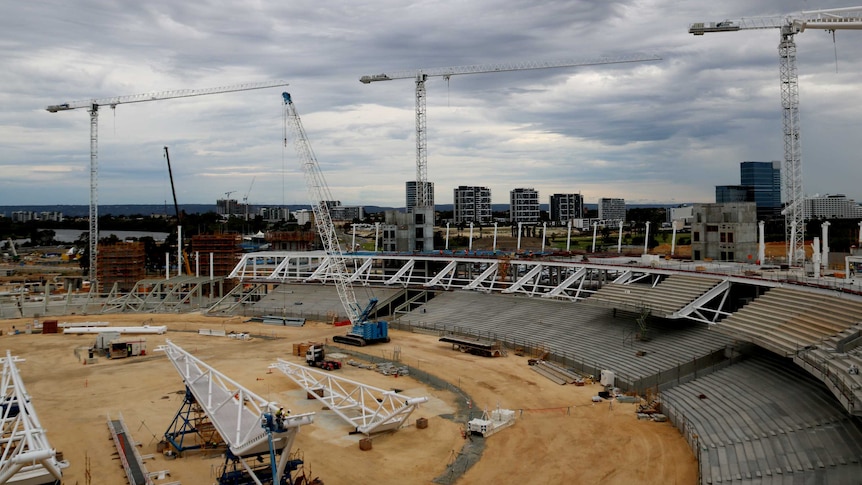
<point x="573" y="281"/>
<point x="236" y="412"/>
<point x="26" y="453"/>
<point x="367" y="408"/>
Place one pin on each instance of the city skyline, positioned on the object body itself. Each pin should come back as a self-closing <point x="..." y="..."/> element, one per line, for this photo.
<point x="651" y="133"/>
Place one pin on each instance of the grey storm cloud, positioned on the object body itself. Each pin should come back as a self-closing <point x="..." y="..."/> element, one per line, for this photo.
<point x="648" y="132"/>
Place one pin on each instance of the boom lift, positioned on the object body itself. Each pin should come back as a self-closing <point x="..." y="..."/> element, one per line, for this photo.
<point x="93" y="105"/>
<point x="848" y="18"/>
<point x="363" y="331"/>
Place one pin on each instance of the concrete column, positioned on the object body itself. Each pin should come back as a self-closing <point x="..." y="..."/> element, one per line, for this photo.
<point x="167" y="265"/>
<point x="353" y="240"/>
<point x="859" y="243"/>
<point x="620" y="239"/>
<point x="544" y="234"/>
<point x="673" y="238"/>
<point x="447" y="236"/>
<point x="495" y="238"/>
<point x="519" y="236"/>
<point x="761" y="245"/>
<point x="824" y="258"/>
<point x="376" y="235"/>
<point x="470" y="243"/>
<point x="646" y="238"/>
<point x="595" y="227"/>
<point x="815" y="260"/>
<point x="197" y="264"/>
<point x="568" y="235"/>
<point x="212" y="269"/>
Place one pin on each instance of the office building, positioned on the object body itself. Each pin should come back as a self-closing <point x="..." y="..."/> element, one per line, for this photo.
<point x="765" y="180"/>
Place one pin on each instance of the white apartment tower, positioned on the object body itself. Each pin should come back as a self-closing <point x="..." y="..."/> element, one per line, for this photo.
<point x="524" y="205"/>
<point x="472" y="204"/>
<point x="612" y="209"/>
<point x="565" y="207"/>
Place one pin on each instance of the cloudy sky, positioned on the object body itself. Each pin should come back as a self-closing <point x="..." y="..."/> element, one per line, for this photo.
<point x="651" y="132"/>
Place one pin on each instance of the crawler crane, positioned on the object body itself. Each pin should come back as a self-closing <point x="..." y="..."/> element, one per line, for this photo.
<point x="363" y="331"/>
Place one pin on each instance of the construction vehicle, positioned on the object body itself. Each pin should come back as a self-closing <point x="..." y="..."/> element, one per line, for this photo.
<point x="363" y="331"/>
<point x="848" y="18"/>
<point x="315" y="356"/>
<point x="182" y="250"/>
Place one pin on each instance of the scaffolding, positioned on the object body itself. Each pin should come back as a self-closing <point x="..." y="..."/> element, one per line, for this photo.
<point x="223" y="250"/>
<point x="122" y="264"/>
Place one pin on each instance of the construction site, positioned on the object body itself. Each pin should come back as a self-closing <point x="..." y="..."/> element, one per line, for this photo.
<point x="296" y="367"/>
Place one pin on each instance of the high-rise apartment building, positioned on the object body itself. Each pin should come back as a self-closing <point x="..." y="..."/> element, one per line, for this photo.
<point x="472" y="204"/>
<point x="565" y="207"/>
<point x="612" y="209"/>
<point x="836" y="206"/>
<point x="524" y="205"/>
<point x="411" y="194"/>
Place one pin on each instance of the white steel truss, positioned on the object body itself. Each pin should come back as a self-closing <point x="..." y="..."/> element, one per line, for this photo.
<point x="562" y="280"/>
<point x="26" y="455"/>
<point x="236" y="412"/>
<point x="368" y="409"/>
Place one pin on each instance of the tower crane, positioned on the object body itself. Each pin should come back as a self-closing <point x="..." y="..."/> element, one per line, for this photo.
<point x="848" y="18"/>
<point x="245" y="197"/>
<point x="93" y="105"/>
<point x="423" y="199"/>
<point x="363" y="330"/>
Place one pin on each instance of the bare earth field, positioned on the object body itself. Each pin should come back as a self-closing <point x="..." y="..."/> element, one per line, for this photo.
<point x="560" y="436"/>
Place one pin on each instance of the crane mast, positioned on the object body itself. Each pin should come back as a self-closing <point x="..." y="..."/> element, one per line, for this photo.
<point x="92" y="106"/>
<point x="319" y="196"/>
<point x="848" y="18"/>
<point x="423" y="197"/>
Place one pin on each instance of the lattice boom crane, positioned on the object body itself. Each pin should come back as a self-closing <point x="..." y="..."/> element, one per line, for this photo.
<point x="363" y="330"/>
<point x="92" y="105"/>
<point x="423" y="199"/>
<point x="848" y="18"/>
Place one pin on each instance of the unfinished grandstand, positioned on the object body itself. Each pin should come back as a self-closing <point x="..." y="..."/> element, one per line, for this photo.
<point x="756" y="374"/>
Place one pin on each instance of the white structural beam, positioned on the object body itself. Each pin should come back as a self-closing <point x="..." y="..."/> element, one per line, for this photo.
<point x="488" y="276"/>
<point x="25" y="454"/>
<point x="561" y="279"/>
<point x="236" y="412"/>
<point x="368" y="409"/>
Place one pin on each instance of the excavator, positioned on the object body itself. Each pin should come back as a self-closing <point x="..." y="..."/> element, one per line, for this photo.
<point x="363" y="331"/>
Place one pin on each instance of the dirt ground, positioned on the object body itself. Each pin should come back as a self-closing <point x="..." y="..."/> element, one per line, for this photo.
<point x="560" y="436"/>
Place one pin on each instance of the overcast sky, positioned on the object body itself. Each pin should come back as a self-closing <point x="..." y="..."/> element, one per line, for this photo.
<point x="651" y="132"/>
